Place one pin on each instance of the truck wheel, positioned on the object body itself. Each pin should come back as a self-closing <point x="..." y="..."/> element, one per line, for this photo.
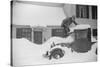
<point x="57" y="56"/>
<point x="56" y="53"/>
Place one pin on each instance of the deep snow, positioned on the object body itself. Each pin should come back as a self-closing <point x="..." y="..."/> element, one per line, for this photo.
<point x="28" y="53"/>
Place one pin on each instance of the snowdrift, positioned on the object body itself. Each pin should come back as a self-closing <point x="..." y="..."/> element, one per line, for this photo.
<point x="28" y="53"/>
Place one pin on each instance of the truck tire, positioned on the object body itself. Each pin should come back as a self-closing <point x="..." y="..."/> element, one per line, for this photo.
<point x="56" y="53"/>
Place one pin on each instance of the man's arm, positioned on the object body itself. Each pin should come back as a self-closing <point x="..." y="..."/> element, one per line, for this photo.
<point x="75" y="23"/>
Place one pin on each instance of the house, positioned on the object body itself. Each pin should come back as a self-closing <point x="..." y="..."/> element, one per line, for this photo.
<point x="36" y="34"/>
<point x="85" y="14"/>
<point x="51" y="13"/>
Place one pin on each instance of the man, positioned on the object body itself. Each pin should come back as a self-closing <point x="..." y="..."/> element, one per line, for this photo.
<point x="66" y="23"/>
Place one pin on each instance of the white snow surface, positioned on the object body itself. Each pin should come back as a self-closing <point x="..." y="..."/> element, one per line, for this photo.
<point x="80" y="26"/>
<point x="27" y="53"/>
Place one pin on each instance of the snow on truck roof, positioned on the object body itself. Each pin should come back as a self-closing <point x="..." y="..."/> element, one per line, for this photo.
<point x="80" y="27"/>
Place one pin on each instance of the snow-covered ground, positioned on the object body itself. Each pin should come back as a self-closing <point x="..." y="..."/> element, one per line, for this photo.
<point x="28" y="53"/>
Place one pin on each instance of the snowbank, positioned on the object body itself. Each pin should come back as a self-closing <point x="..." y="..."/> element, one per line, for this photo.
<point x="28" y="53"/>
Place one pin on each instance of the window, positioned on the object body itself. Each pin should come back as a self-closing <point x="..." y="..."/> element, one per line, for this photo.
<point x="58" y="32"/>
<point x="82" y="11"/>
<point x="94" y="12"/>
<point x="24" y="33"/>
<point x="94" y="32"/>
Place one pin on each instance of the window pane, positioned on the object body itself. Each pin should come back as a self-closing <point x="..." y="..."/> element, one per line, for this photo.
<point x="94" y="12"/>
<point x="82" y="11"/>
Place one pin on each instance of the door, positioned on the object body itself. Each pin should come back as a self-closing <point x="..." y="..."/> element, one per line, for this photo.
<point x="38" y="37"/>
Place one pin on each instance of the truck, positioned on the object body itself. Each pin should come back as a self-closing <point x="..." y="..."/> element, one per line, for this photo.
<point x="81" y="44"/>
